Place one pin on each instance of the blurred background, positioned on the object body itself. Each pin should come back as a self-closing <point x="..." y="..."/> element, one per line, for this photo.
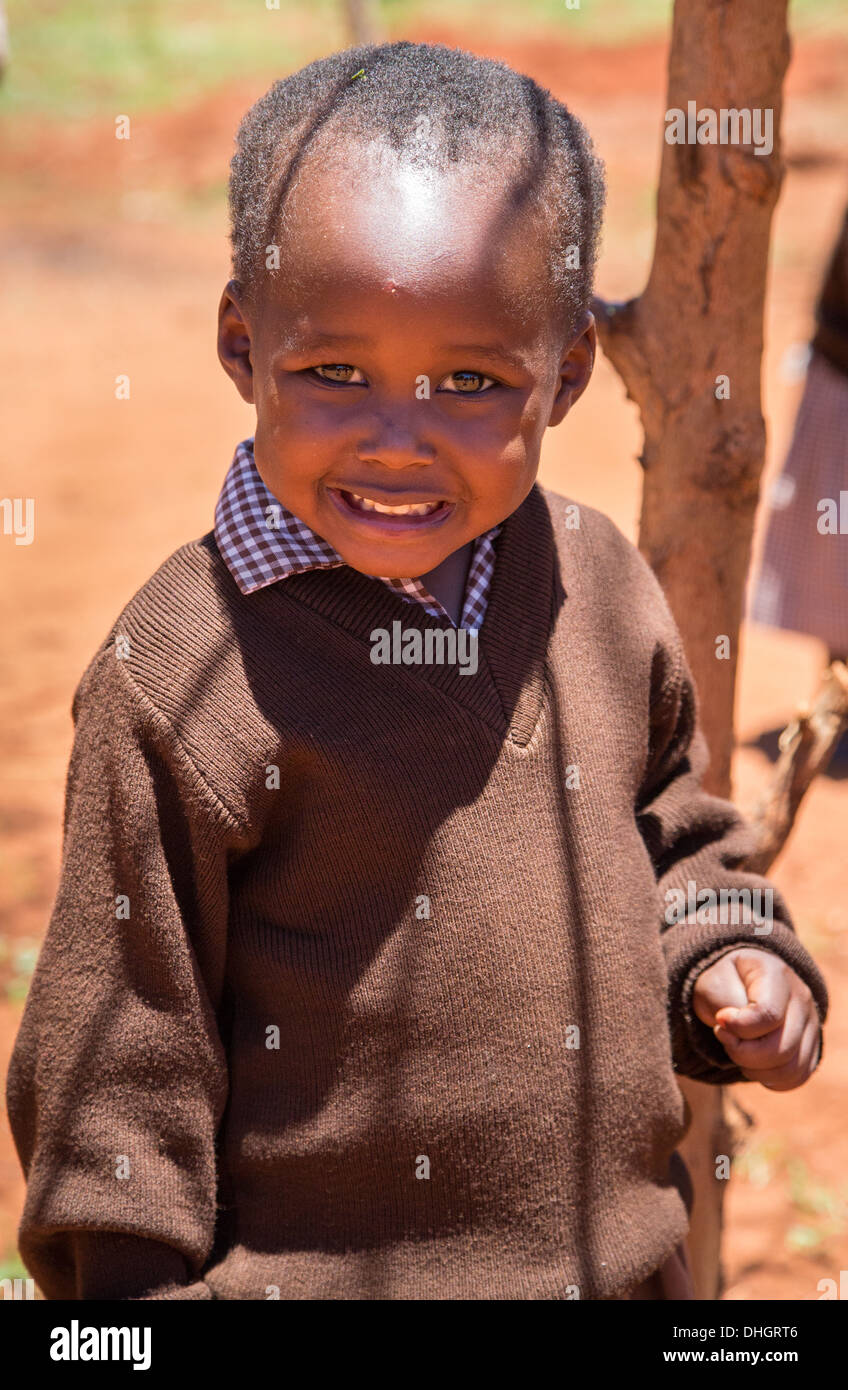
<point x="114" y="255"/>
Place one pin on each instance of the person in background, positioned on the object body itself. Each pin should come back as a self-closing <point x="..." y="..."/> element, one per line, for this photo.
<point x="802" y="583"/>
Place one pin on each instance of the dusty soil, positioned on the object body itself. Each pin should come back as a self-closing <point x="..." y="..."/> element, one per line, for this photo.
<point x="116" y="254"/>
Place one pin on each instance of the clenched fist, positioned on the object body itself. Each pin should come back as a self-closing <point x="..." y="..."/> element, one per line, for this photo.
<point x="763" y="1015"/>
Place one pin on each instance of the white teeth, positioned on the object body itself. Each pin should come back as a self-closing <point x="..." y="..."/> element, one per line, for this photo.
<point x="365" y="504"/>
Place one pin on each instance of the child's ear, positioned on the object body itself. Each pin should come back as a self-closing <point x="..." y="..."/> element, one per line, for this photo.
<point x="575" y="369"/>
<point x="234" y="342"/>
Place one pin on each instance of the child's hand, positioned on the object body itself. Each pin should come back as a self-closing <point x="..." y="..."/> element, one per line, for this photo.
<point x="763" y="1015"/>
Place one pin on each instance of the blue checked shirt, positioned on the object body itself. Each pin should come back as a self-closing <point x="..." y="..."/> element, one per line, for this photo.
<point x="262" y="542"/>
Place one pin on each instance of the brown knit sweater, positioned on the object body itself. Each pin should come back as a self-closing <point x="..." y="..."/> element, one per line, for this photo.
<point x="358" y="982"/>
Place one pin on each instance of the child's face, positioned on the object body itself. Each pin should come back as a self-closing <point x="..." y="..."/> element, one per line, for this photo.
<point x="403" y="355"/>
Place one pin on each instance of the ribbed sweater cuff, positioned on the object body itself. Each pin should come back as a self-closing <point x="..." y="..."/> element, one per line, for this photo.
<point x="110" y="1265"/>
<point x="690" y="949"/>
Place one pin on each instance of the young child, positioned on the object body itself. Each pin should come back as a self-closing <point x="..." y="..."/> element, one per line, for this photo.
<point x="362" y="980"/>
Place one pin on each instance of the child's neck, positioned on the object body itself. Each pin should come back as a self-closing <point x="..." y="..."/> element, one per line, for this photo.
<point x="447" y="581"/>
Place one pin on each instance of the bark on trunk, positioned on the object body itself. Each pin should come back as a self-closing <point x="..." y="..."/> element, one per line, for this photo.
<point x="700" y="318"/>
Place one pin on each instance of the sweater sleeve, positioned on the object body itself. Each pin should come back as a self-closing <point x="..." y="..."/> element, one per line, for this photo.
<point x="700" y="842"/>
<point x="118" y="1078"/>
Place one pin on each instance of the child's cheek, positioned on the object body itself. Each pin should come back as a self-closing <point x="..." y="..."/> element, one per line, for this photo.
<point x="497" y="430"/>
<point x="298" y="419"/>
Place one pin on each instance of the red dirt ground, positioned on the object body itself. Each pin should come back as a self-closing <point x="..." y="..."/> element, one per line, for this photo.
<point x="108" y="272"/>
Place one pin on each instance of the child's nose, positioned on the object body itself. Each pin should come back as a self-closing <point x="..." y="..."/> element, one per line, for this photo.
<point x="396" y="440"/>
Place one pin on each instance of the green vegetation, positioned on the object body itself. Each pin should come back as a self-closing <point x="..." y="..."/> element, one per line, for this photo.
<point x="72" y="59"/>
<point x="12" y="1266"/>
<point x="81" y="58"/>
<point x="18" y="959"/>
<point x="824" y="1211"/>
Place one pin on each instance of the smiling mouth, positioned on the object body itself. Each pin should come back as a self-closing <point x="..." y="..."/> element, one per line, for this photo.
<point x="402" y="513"/>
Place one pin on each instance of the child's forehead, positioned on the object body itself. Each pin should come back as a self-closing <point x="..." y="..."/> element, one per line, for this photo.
<point x="371" y="216"/>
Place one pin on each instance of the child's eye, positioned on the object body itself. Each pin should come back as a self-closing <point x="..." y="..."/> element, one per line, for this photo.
<point x="467" y="383"/>
<point x="339" y="371"/>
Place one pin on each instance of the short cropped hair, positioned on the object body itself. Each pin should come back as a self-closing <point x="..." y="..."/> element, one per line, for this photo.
<point x="437" y="106"/>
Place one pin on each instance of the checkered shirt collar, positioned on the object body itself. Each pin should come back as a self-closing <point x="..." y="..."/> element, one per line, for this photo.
<point x="262" y="542"/>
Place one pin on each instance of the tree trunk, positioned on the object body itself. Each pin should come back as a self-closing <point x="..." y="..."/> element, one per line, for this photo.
<point x="700" y="318"/>
<point x="361" y="24"/>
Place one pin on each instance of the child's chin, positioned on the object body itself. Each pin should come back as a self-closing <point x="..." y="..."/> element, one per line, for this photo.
<point x="392" y="562"/>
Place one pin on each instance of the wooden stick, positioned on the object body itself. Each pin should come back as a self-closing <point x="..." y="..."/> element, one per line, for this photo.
<point x="806" y="747"/>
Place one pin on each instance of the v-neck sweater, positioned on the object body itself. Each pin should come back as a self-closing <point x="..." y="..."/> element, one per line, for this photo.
<point x="360" y="981"/>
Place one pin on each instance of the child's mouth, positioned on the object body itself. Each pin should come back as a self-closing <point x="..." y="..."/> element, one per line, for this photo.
<point x="391" y="516"/>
